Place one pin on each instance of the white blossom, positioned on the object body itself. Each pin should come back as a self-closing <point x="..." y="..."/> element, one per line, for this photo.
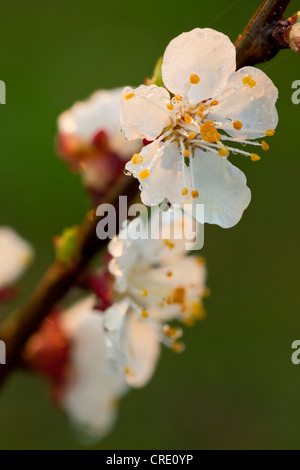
<point x="90" y="139"/>
<point x="157" y="275"/>
<point x="205" y="108"/>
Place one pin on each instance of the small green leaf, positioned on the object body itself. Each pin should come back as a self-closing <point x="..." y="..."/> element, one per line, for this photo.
<point x="66" y="245"/>
<point x="157" y="78"/>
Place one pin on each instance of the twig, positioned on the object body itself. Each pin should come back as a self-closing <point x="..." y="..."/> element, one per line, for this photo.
<point x="253" y="45"/>
<point x="265" y="35"/>
<point x="57" y="281"/>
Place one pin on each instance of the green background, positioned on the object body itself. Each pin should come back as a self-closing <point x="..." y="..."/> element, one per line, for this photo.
<point x="235" y="386"/>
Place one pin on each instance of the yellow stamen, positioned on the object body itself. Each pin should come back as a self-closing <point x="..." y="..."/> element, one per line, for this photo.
<point x="177" y="347"/>
<point x="223" y="152"/>
<point x="185" y="191"/>
<point x="177" y="98"/>
<point x="188" y="119"/>
<point x="170" y="331"/>
<point x="264" y="145"/>
<point x="191" y="136"/>
<point x="144" y="174"/>
<point x="144" y="293"/>
<point x="270" y="132"/>
<point x="137" y="159"/>
<point x="179" y="295"/>
<point x="194" y="194"/>
<point x="187" y="153"/>
<point x="209" y="133"/>
<point x="129" y="96"/>
<point x="201" y="260"/>
<point x="202" y="108"/>
<point x="194" y="79"/>
<point x="254" y="157"/>
<point x="198" y="310"/>
<point x="189" y="321"/>
<point x="169" y="244"/>
<point x="249" y="81"/>
<point x="214" y="103"/>
<point x="169" y="274"/>
<point x="169" y="300"/>
<point x="144" y="314"/>
<point x="170" y="107"/>
<point x="238" y="125"/>
<point x="128" y="372"/>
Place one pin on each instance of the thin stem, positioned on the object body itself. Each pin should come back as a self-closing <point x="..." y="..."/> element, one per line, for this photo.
<point x="57" y="281"/>
<point x="265" y="34"/>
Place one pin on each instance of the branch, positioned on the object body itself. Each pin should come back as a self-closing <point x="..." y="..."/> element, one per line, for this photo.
<point x="256" y="44"/>
<point x="265" y="35"/>
<point x="57" y="281"/>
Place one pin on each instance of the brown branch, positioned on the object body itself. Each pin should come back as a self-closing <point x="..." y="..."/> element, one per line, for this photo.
<point x="265" y="34"/>
<point x="57" y="282"/>
<point x="253" y="45"/>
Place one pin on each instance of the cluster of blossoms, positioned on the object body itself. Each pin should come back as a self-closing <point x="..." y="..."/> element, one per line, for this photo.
<point x="176" y="139"/>
<point x="94" y="355"/>
<point x="15" y="255"/>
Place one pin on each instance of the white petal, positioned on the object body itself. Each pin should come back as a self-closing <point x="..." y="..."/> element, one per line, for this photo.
<point x="132" y="344"/>
<point x="204" y="52"/>
<point x="99" y="113"/>
<point x="15" y="256"/>
<point x="222" y="189"/>
<point x="92" y="389"/>
<point x="254" y="107"/>
<point x="145" y="114"/>
<point x="144" y="350"/>
<point x="163" y="160"/>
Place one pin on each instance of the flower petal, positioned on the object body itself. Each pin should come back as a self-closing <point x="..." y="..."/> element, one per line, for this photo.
<point x="144" y="350"/>
<point x="144" y="112"/>
<point x="249" y="98"/>
<point x="15" y="256"/>
<point x="165" y="175"/>
<point x="85" y="119"/>
<point x="222" y="189"/>
<point x="92" y="388"/>
<point x="204" y="52"/>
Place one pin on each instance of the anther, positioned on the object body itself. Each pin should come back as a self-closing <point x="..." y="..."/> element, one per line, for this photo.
<point x="264" y="145"/>
<point x="184" y="191"/>
<point x="144" y="314"/>
<point x="237" y="125"/>
<point x="249" y="81"/>
<point x="137" y="159"/>
<point x="129" y="96"/>
<point x="144" y="174"/>
<point x="194" y="79"/>
<point x="254" y="157"/>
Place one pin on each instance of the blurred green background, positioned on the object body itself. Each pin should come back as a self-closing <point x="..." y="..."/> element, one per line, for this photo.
<point x="235" y="386"/>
